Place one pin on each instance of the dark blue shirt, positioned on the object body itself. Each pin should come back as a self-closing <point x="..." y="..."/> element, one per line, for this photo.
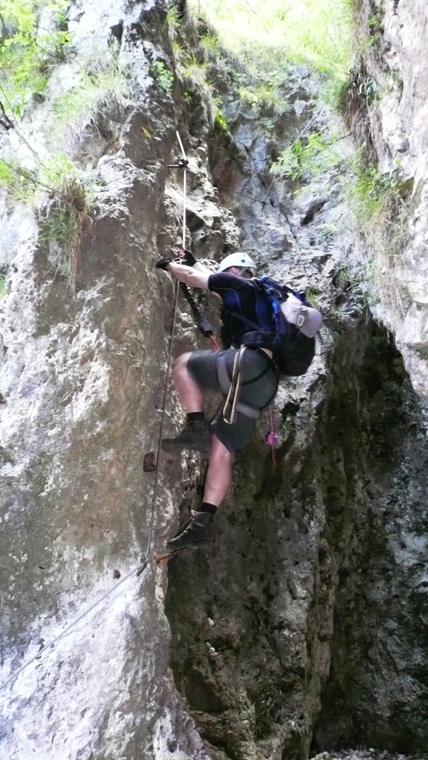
<point x="244" y="297"/>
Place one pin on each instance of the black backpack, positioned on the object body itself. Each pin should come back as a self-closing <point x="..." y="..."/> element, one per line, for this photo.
<point x="292" y="351"/>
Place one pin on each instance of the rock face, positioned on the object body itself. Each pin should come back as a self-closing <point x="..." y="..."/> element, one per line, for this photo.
<point x="303" y="627"/>
<point x="393" y="67"/>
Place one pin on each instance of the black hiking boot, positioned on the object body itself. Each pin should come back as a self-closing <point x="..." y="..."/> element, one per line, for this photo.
<point x="195" y="436"/>
<point x="198" y="531"/>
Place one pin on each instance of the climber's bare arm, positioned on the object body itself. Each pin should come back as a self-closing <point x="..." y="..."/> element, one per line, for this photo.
<point x="189" y="275"/>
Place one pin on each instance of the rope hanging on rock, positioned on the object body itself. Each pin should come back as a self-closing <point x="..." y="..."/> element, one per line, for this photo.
<point x="183" y="163"/>
<point x="272" y="437"/>
<point x="203" y="324"/>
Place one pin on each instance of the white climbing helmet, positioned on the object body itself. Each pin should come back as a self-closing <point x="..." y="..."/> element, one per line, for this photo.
<point x="240" y="260"/>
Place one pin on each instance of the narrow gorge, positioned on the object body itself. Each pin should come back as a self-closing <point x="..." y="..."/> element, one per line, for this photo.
<point x="302" y="629"/>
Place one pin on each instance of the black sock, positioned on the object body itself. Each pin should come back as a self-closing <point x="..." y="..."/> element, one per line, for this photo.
<point x="205" y="507"/>
<point x="195" y="417"/>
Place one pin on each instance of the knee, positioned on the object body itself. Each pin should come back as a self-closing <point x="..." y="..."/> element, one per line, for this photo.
<point x="220" y="453"/>
<point x="179" y="368"/>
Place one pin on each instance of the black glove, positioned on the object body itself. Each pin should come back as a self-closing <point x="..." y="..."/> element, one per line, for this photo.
<point x="163" y="263"/>
<point x="186" y="257"/>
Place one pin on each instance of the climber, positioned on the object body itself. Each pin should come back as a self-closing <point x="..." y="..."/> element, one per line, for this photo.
<point x="246" y="378"/>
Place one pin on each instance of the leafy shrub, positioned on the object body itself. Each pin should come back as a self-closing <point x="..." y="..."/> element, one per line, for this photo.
<point x="307" y="155"/>
<point x="27" y="51"/>
<point x="220" y="121"/>
<point x="163" y="77"/>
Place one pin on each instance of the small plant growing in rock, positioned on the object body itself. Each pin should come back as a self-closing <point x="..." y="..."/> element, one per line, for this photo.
<point x="210" y="44"/>
<point x="174" y="19"/>
<point x="66" y="205"/>
<point x="163" y="77"/>
<point x="264" y="80"/>
<point x="196" y="70"/>
<point x="64" y="223"/>
<point x="19" y="181"/>
<point x="104" y="85"/>
<point x="375" y="27"/>
<point x="259" y="95"/>
<point x="380" y="216"/>
<point x="370" y="191"/>
<point x="220" y="121"/>
<point x="307" y="155"/>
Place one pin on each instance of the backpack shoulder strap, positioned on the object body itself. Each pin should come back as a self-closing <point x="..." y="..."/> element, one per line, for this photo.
<point x="261" y="287"/>
<point x="276" y="289"/>
<point x="245" y="320"/>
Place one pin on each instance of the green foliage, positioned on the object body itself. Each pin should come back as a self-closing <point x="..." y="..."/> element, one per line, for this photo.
<point x="104" y="83"/>
<point x="27" y="51"/>
<point x="53" y="171"/>
<point x="375" y="27"/>
<point x="260" y="94"/>
<point x="210" y="43"/>
<point x="257" y="96"/>
<point x="379" y="215"/>
<point x="68" y="206"/>
<point x="179" y="49"/>
<point x="307" y="155"/>
<point x="220" y="121"/>
<point x="357" y="94"/>
<point x="64" y="224"/>
<point x="371" y="194"/>
<point x="368" y="91"/>
<point x="310" y="32"/>
<point x="53" y="176"/>
<point x="195" y="70"/>
<point x="20" y="182"/>
<point x="163" y="77"/>
<point x="173" y="20"/>
<point x="264" y="81"/>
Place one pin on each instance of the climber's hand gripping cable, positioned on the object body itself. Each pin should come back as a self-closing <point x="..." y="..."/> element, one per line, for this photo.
<point x="182" y="269"/>
<point x="195" y="278"/>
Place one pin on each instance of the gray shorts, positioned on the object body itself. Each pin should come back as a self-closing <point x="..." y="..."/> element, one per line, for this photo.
<point x="202" y="366"/>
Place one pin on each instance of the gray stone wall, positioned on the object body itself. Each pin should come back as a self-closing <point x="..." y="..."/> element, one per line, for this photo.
<point x="303" y="626"/>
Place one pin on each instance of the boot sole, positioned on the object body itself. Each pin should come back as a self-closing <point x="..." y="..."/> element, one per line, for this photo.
<point x="190" y="545"/>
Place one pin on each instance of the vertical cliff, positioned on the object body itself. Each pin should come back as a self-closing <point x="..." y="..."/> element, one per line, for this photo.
<point x="303" y="627"/>
<point x="386" y="106"/>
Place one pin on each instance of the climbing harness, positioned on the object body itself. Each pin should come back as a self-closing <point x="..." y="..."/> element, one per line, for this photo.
<point x="232" y="399"/>
<point x="232" y="405"/>
<point x="231" y="388"/>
